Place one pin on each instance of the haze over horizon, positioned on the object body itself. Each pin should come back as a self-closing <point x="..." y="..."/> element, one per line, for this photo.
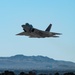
<point x="40" y="14"/>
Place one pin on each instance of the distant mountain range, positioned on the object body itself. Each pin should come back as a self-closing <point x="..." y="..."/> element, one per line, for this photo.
<point x="21" y="62"/>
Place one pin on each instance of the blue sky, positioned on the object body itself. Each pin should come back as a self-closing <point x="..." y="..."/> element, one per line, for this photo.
<point x="39" y="13"/>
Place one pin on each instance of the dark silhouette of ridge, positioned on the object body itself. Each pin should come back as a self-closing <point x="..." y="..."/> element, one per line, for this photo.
<point x="6" y="72"/>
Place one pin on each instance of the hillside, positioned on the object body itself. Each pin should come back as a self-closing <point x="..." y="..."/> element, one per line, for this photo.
<point x="21" y="62"/>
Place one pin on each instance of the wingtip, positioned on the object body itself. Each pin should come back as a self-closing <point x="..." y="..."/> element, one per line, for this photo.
<point x="16" y="34"/>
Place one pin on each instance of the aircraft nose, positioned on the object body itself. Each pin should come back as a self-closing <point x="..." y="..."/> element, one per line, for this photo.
<point x="23" y="25"/>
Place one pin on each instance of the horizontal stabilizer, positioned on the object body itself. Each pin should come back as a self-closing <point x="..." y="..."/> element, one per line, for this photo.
<point x="49" y="28"/>
<point x="55" y="36"/>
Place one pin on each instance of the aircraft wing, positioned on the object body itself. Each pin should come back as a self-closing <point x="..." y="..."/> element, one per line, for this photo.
<point x="22" y="33"/>
<point x="31" y="35"/>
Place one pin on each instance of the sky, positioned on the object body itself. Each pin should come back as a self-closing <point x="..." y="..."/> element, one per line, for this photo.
<point x="39" y="13"/>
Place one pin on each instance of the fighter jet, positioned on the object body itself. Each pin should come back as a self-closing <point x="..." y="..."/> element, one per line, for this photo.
<point x="32" y="32"/>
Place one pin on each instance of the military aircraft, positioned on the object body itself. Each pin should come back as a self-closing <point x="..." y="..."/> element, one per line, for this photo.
<point x="32" y="32"/>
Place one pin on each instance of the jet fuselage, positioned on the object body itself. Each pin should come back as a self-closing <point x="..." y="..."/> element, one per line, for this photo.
<point x="33" y="32"/>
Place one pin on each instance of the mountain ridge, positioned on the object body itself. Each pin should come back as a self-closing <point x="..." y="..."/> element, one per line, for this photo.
<point x="34" y="63"/>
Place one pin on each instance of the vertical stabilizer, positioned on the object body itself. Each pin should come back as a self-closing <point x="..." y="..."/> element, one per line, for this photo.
<point x="49" y="28"/>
